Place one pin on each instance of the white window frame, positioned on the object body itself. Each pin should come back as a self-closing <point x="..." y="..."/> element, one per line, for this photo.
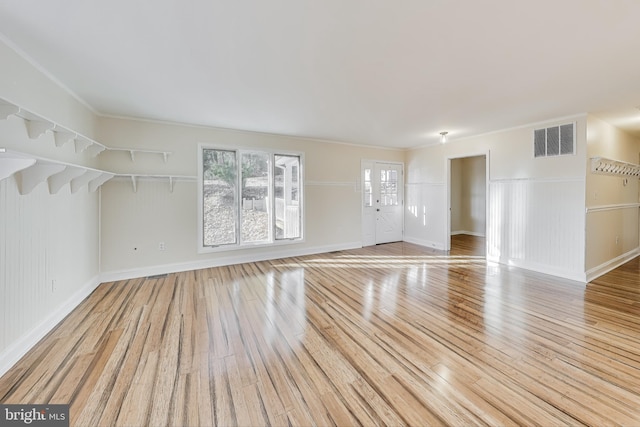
<point x="272" y="238"/>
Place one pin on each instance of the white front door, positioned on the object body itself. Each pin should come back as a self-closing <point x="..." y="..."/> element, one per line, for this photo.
<point x="383" y="191"/>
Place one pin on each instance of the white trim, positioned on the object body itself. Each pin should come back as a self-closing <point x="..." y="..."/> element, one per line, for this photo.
<point x="426" y="184"/>
<point x="19" y="348"/>
<point x="22" y="54"/>
<point x="604" y="268"/>
<point x="552" y="179"/>
<point x="469" y="233"/>
<point x="541" y="268"/>
<point x="332" y="183"/>
<point x="487" y="184"/>
<point x="613" y="207"/>
<point x="254" y="132"/>
<point x="426" y="243"/>
<point x="112" y="276"/>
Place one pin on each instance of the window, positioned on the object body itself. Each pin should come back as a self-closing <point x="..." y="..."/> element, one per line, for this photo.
<point x="388" y="187"/>
<point x="249" y="197"/>
<point x="368" y="189"/>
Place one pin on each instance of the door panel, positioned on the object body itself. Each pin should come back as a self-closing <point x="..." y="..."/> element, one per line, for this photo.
<point x="388" y="192"/>
<point x="382" y="202"/>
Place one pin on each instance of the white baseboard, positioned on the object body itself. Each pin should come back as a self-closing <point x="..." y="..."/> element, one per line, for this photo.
<point x="112" y="276"/>
<point x="604" y="268"/>
<point x="576" y="276"/>
<point x="426" y="243"/>
<point x="470" y="233"/>
<point x="17" y="350"/>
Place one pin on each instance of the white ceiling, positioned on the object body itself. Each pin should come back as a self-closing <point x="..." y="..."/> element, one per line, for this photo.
<point x="375" y="72"/>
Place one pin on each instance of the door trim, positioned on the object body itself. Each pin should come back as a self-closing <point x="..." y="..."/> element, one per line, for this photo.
<point x="447" y="207"/>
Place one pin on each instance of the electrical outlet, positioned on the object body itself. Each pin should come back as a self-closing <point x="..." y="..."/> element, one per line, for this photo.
<point x="54" y="285"/>
<point x="617" y="239"/>
<point x="161" y="246"/>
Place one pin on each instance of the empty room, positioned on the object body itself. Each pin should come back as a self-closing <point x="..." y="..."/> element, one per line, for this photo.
<point x="293" y="213"/>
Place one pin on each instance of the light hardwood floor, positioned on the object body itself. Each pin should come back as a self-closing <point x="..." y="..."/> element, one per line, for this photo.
<point x="388" y="335"/>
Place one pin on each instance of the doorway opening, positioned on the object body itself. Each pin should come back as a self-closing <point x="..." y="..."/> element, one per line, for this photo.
<point x="467" y="189"/>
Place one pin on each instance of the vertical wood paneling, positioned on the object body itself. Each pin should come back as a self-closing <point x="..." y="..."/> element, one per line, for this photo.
<point x="538" y="224"/>
<point x="43" y="238"/>
<point x="533" y="223"/>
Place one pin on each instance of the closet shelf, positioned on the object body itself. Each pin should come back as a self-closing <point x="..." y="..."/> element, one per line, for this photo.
<point x="602" y="165"/>
<point x="30" y="171"/>
<point x="171" y="179"/>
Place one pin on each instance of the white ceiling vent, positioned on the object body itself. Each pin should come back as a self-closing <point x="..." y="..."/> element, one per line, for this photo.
<point x="554" y="141"/>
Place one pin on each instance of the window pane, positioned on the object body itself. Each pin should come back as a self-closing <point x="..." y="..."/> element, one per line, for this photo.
<point x="287" y="196"/>
<point x="219" y="197"/>
<point x="255" y="197"/>
<point x="368" y="192"/>
<point x="389" y="187"/>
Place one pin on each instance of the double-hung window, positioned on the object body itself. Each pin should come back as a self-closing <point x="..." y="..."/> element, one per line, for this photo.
<point x="249" y="197"/>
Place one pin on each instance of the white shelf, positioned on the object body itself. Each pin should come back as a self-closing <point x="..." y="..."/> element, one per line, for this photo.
<point x="11" y="165"/>
<point x="604" y="166"/>
<point x="133" y="151"/>
<point x="30" y="171"/>
<point x="37" y="126"/>
<point x="171" y="179"/>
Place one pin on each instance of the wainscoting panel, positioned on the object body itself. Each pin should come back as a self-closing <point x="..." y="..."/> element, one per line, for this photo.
<point x="48" y="252"/>
<point x="538" y="224"/>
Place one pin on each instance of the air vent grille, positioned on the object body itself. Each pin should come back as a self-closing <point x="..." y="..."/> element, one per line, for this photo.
<point x="554" y="141"/>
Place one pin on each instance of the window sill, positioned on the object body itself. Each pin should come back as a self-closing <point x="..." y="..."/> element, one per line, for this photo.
<point x="228" y="248"/>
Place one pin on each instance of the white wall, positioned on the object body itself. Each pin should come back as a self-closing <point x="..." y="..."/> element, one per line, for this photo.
<point x="133" y="224"/>
<point x="612" y="211"/>
<point x="43" y="238"/>
<point x="536" y="214"/>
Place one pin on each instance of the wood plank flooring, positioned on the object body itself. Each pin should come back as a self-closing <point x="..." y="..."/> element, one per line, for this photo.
<point x="394" y="334"/>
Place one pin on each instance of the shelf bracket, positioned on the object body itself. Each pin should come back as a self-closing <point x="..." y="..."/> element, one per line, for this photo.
<point x="132" y="153"/>
<point x="165" y="155"/>
<point x="80" y="181"/>
<point x="134" y="183"/>
<point x="82" y="144"/>
<point x="57" y="181"/>
<point x="62" y="137"/>
<point x="95" y="149"/>
<point x="98" y="181"/>
<point x="29" y="178"/>
<point x="9" y="167"/>
<point x="35" y="128"/>
<point x="7" y="110"/>
<point x="171" y="182"/>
